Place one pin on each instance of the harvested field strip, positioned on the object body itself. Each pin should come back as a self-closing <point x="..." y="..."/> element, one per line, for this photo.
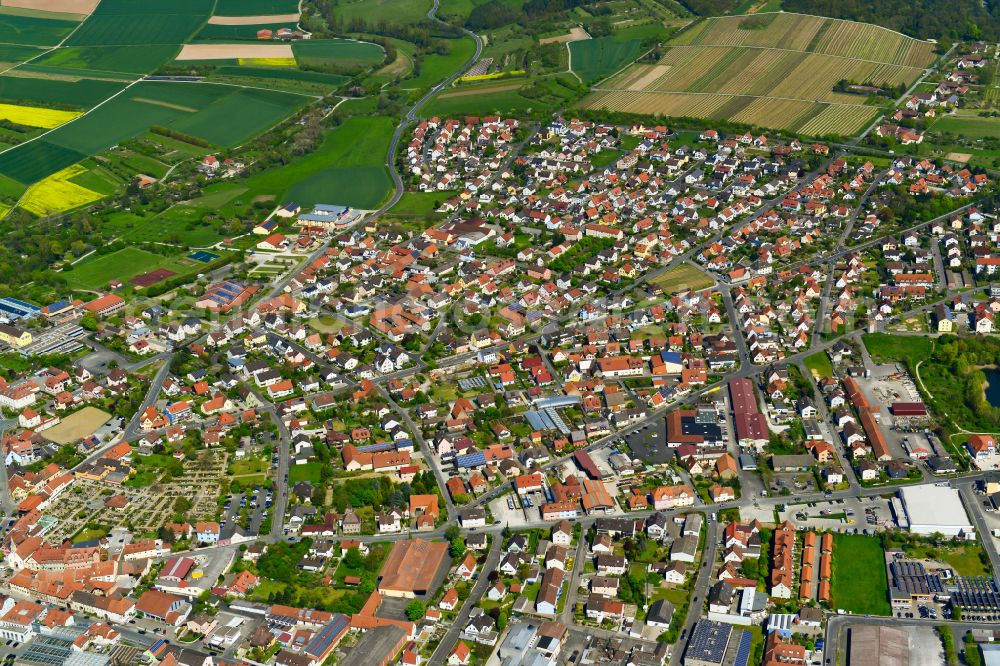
<point x="646" y="77"/>
<point x="34" y="116"/>
<point x="724" y="68"/>
<point x="253" y="20"/>
<point x="231" y="51"/>
<point x="166" y="105"/>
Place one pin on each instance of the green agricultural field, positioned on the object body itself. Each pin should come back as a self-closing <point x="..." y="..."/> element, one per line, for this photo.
<point x="142" y="22"/>
<point x="280" y="78"/>
<point x="400" y="12"/>
<point x="136" y="59"/>
<point x="30" y="162"/>
<point x="83" y="93"/>
<point x="13" y="53"/>
<point x="96" y="272"/>
<point x="343" y="52"/>
<point x="359" y="178"/>
<point x="594" y="59"/>
<point x="223" y="115"/>
<point x="239" y="115"/>
<point x="32" y="30"/>
<point x="213" y="32"/>
<point x="859" y="583"/>
<point x="255" y="7"/>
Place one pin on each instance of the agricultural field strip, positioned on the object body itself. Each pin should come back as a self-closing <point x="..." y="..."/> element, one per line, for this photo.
<point x="721" y="94"/>
<point x="43" y="51"/>
<point x="799" y="51"/>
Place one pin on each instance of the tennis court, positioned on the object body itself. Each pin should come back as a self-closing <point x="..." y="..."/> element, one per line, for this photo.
<point x="203" y="256"/>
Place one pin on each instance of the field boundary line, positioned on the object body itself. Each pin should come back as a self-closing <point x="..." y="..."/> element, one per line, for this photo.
<point x="777" y="48"/>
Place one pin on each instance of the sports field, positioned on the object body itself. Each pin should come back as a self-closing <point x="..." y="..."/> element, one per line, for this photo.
<point x="95" y="272"/>
<point x="770" y="70"/>
<point x="222" y="115"/>
<point x="593" y="59"/>
<point x="76" y="426"/>
<point x="681" y="278"/>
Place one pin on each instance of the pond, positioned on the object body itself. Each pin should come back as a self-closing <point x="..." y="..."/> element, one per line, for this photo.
<point x="992" y="386"/>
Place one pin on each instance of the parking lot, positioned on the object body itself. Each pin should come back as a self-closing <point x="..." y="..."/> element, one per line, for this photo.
<point x="841" y="515"/>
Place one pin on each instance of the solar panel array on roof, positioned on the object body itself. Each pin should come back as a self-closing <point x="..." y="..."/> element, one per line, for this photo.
<point x="743" y="651"/>
<point x="378" y="446"/>
<point x="331" y="632"/>
<point x="474" y="459"/>
<point x="709" y="641"/>
<point x="14" y="309"/>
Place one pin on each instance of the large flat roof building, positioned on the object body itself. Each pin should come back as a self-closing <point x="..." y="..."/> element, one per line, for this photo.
<point x="411" y="568"/>
<point x="936" y="508"/>
<point x="708" y="643"/>
<point x="878" y="646"/>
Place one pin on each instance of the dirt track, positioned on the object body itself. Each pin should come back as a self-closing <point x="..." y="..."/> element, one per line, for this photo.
<point x="234" y="51"/>
<point x="262" y="21"/>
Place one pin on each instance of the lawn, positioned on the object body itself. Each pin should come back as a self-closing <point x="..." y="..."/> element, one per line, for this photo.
<point x="885" y="348"/>
<point x="681" y="278"/>
<point x="96" y="272"/>
<point x="859" y="583"/>
<point x="970" y="127"/>
<point x="308" y="472"/>
<point x="819" y="364"/>
<point x="435" y="68"/>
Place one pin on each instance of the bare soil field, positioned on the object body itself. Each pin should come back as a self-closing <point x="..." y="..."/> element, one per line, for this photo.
<point x="83" y="7"/>
<point x="77" y="425"/>
<point x="958" y="157"/>
<point x="574" y="35"/>
<point x="234" y="51"/>
<point x="253" y="20"/>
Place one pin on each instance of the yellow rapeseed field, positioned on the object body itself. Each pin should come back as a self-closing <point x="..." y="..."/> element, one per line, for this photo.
<point x="35" y="116"/>
<point x="56" y="193"/>
<point x="269" y="62"/>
